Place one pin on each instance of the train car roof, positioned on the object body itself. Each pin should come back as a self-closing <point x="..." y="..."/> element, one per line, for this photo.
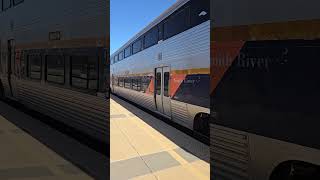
<point x="160" y="18"/>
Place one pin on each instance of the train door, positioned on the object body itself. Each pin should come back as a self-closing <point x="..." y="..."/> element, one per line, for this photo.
<point x="162" y="87"/>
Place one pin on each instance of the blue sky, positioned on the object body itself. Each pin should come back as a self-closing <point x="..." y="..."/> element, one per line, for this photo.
<point x="128" y="17"/>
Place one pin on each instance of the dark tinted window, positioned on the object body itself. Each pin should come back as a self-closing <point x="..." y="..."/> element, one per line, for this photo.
<point x="84" y="72"/>
<point x="6" y="4"/>
<point x="127" y="83"/>
<point x="120" y="55"/>
<point x="34" y="69"/>
<point x="200" y="11"/>
<point x="136" y="84"/>
<point x="15" y="2"/>
<point x="151" y="37"/>
<point x="116" y="58"/>
<point x="55" y="69"/>
<point x="158" y="83"/>
<point x="127" y="52"/>
<point x="120" y="82"/>
<point x="137" y="46"/>
<point x="194" y="89"/>
<point x="166" y="78"/>
<point x="177" y="23"/>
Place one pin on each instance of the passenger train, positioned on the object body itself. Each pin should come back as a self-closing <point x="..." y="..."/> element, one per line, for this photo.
<point x="165" y="67"/>
<point x="54" y="59"/>
<point x="265" y="90"/>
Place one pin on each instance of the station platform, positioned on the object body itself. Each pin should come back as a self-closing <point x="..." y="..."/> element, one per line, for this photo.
<point x="30" y="150"/>
<point x="146" y="148"/>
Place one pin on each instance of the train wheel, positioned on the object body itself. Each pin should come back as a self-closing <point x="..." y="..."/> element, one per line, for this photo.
<point x="296" y="171"/>
<point x="201" y="124"/>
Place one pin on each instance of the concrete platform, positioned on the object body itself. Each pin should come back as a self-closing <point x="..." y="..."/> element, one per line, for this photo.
<point x="146" y="148"/>
<point x="34" y="151"/>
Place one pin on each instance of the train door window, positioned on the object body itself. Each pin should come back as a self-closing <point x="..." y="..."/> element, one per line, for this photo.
<point x="177" y="23"/>
<point x="137" y="46"/>
<point x="166" y="79"/>
<point x="127" y="52"/>
<point x="200" y="11"/>
<point x="55" y="69"/>
<point x="158" y="83"/>
<point x="151" y="37"/>
<point x="16" y="2"/>
<point x="6" y="4"/>
<point x="34" y="66"/>
<point x="120" y="55"/>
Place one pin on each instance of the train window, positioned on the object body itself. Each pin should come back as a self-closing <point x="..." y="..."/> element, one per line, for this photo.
<point x="55" y="69"/>
<point x="151" y="37"/>
<point x="127" y="52"/>
<point x="177" y="23"/>
<point x="84" y="72"/>
<point x="6" y="4"/>
<point x="127" y="83"/>
<point x="145" y="82"/>
<point x="166" y="78"/>
<point x="34" y="66"/>
<point x="116" y="58"/>
<point x="158" y="83"/>
<point x="120" y="82"/>
<point x="93" y="72"/>
<point x="199" y="11"/>
<point x="137" y="46"/>
<point x="16" y="2"/>
<point x="120" y="56"/>
<point x="136" y="84"/>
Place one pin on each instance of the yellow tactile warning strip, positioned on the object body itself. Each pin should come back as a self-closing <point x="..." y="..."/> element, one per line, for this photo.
<point x="143" y="147"/>
<point x="23" y="157"/>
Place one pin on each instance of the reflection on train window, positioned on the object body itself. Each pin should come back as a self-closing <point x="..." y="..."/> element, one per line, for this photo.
<point x="120" y="56"/>
<point x="136" y="83"/>
<point x="6" y="4"/>
<point x="120" y="82"/>
<point x="127" y="83"/>
<point x="199" y="12"/>
<point x="177" y="23"/>
<point x="137" y="46"/>
<point x="55" y="69"/>
<point x="16" y="2"/>
<point x="145" y="81"/>
<point x="158" y="83"/>
<point x="84" y="72"/>
<point x="127" y="52"/>
<point x="166" y="78"/>
<point x="34" y="67"/>
<point x="151" y="37"/>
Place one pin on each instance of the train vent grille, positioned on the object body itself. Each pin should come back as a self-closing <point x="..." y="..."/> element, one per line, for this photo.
<point x="229" y="154"/>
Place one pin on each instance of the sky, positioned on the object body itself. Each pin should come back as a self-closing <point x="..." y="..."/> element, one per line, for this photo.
<point x="128" y="17"/>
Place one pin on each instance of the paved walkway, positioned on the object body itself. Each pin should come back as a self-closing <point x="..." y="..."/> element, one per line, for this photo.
<point x="31" y="150"/>
<point x="145" y="148"/>
<point x="23" y="157"/>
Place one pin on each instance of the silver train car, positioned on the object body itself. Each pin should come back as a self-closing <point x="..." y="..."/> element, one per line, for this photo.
<point x="165" y="67"/>
<point x="265" y="90"/>
<point x="53" y="59"/>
